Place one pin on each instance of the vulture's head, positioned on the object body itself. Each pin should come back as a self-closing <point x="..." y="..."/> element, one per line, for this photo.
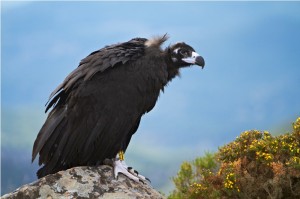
<point x="183" y="55"/>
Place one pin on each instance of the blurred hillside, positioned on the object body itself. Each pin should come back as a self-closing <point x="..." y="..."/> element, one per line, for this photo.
<point x="157" y="161"/>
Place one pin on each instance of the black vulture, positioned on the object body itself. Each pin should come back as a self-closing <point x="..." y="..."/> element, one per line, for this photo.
<point x="98" y="107"/>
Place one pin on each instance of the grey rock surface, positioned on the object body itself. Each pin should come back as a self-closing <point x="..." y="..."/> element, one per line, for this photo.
<point x="85" y="182"/>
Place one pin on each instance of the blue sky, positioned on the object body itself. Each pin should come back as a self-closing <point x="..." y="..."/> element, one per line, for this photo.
<point x="251" y="79"/>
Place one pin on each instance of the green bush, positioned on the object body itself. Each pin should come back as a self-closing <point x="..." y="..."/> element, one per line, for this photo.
<point x="255" y="165"/>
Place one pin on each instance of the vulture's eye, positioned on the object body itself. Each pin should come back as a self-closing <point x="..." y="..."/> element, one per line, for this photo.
<point x="184" y="53"/>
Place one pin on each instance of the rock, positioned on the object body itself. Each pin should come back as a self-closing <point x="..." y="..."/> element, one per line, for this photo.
<point x="85" y="182"/>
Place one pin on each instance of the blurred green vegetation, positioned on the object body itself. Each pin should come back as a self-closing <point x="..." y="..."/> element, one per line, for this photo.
<point x="20" y="126"/>
<point x="255" y="165"/>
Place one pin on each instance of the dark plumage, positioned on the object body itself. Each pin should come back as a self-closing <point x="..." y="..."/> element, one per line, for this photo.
<point x="99" y="105"/>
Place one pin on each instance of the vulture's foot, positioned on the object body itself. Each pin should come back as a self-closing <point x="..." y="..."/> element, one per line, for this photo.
<point x="121" y="167"/>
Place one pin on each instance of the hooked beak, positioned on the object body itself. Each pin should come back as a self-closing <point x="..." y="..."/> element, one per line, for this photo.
<point x="195" y="59"/>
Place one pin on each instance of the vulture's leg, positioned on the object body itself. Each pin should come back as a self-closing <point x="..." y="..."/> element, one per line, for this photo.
<point x="121" y="167"/>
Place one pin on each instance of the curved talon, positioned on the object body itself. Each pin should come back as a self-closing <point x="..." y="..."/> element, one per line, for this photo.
<point x="134" y="172"/>
<point x="141" y="181"/>
<point x="148" y="179"/>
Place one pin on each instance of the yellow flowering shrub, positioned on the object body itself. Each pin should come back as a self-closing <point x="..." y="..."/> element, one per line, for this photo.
<point x="255" y="165"/>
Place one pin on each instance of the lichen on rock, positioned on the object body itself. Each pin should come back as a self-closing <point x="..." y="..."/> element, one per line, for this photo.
<point x="85" y="182"/>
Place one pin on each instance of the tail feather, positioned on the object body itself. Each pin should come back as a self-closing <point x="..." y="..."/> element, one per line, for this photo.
<point x="53" y="121"/>
<point x="41" y="172"/>
<point x="50" y="147"/>
<point x="49" y="169"/>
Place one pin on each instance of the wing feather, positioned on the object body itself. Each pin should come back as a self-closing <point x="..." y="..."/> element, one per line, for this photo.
<point x="100" y="61"/>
